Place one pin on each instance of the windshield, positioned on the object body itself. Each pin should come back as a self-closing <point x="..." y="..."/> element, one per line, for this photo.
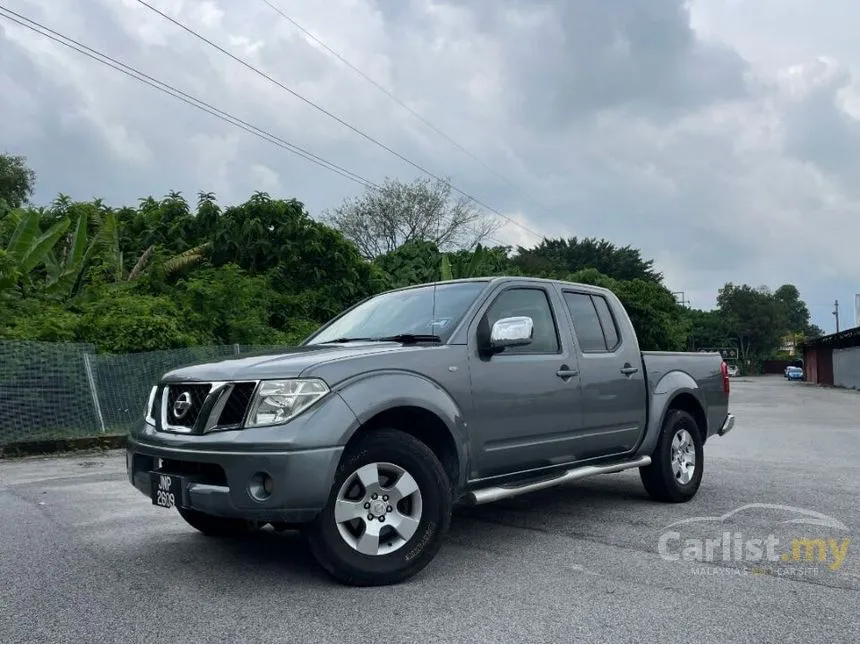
<point x="410" y="311"/>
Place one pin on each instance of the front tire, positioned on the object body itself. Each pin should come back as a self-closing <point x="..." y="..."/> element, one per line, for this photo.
<point x="678" y="461"/>
<point x="387" y="514"/>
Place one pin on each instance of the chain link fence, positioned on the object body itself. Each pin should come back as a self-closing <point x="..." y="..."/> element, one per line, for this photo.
<point x="66" y="390"/>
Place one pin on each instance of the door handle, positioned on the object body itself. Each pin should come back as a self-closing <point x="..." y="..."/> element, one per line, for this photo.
<point x="565" y="372"/>
<point x="628" y="369"/>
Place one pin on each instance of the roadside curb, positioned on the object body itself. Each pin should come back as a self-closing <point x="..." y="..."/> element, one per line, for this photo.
<point x="54" y="446"/>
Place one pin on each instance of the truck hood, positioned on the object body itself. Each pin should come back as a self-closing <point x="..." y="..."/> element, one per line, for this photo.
<point x="287" y="364"/>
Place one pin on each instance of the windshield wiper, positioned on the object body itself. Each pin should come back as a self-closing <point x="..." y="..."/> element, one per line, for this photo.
<point x="397" y="338"/>
<point x="412" y="338"/>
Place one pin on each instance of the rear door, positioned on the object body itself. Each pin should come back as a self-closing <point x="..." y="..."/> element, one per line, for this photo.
<point x="613" y="382"/>
<point x="527" y="407"/>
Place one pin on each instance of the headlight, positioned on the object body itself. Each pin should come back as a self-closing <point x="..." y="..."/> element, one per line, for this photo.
<point x="279" y="401"/>
<point x="147" y="414"/>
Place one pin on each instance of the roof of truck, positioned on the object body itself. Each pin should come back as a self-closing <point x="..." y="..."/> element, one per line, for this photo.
<point x="506" y="278"/>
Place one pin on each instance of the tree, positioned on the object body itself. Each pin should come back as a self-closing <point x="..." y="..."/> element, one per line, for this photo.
<point x="710" y="329"/>
<point x="414" y="262"/>
<point x="28" y="247"/>
<point x="17" y="181"/>
<point x="384" y="218"/>
<point x="554" y="258"/>
<point x="483" y="261"/>
<point x="814" y="331"/>
<point x="757" y="318"/>
<point x="796" y="311"/>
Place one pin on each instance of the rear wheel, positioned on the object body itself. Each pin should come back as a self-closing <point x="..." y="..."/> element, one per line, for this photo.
<point x="387" y="514"/>
<point x="215" y="526"/>
<point x="678" y="461"/>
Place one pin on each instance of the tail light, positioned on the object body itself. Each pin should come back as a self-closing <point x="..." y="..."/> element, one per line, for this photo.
<point x="724" y="369"/>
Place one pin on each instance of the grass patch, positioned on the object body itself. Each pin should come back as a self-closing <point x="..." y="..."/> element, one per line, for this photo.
<point x="66" y="444"/>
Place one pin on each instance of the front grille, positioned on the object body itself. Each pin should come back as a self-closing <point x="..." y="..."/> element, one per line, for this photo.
<point x="193" y="396"/>
<point x="237" y="405"/>
<point x="195" y="402"/>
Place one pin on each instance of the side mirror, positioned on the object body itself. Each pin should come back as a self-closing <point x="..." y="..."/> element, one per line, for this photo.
<point x="511" y="332"/>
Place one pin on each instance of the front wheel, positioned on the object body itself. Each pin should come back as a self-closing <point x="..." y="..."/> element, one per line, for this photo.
<point x="388" y="512"/>
<point x="678" y="461"/>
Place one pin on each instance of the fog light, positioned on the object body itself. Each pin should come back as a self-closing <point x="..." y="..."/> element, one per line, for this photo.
<point x="260" y="486"/>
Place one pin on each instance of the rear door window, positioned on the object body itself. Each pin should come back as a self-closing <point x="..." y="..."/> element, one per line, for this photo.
<point x="586" y="322"/>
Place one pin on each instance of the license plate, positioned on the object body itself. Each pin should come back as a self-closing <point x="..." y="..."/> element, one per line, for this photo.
<point x="166" y="490"/>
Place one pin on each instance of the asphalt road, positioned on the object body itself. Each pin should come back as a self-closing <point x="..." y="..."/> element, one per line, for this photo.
<point x="84" y="557"/>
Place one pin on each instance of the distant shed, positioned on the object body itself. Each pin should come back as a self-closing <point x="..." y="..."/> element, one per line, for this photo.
<point x="833" y="359"/>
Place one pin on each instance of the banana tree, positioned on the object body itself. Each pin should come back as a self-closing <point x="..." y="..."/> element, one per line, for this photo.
<point x="461" y="267"/>
<point x="171" y="264"/>
<point x="63" y="273"/>
<point x="28" y="247"/>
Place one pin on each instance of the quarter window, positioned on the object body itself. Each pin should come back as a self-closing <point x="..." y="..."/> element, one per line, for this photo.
<point x="526" y="302"/>
<point x="607" y="321"/>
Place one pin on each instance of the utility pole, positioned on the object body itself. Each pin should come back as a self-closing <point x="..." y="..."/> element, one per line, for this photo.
<point x="836" y="313"/>
<point x="682" y="300"/>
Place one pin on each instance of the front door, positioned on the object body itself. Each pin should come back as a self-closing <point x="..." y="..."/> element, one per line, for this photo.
<point x="527" y="407"/>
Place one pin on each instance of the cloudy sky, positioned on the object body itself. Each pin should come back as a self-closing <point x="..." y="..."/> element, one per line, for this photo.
<point x="719" y="136"/>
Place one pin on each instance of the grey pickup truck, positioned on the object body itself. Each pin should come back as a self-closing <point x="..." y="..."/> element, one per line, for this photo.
<point x="460" y="392"/>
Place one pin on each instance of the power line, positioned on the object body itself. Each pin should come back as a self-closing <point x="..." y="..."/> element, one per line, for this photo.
<point x="182" y="96"/>
<point x="334" y="116"/>
<point x="168" y="89"/>
<point x="382" y="89"/>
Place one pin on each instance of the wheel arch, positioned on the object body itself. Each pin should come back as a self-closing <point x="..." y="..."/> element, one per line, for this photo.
<point x="686" y="402"/>
<point x="675" y="390"/>
<point x="422" y="424"/>
<point x="421" y="408"/>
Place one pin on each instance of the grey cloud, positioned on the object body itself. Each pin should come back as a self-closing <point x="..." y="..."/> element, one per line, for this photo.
<point x="817" y="129"/>
<point x="566" y="60"/>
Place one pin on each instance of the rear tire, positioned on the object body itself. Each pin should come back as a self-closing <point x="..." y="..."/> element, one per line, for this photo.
<point x="214" y="526"/>
<point x="678" y="461"/>
<point x="387" y="514"/>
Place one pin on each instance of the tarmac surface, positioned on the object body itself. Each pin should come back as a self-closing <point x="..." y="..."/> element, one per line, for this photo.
<point x="84" y="557"/>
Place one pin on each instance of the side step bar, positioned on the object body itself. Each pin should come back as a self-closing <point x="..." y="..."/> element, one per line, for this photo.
<point x="495" y="493"/>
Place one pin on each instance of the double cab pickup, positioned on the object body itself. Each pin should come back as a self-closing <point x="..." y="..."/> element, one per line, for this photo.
<point x="366" y="435"/>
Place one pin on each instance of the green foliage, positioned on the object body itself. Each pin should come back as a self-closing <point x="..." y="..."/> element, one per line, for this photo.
<point x="796" y="311"/>
<point x="162" y="276"/>
<point x="37" y="319"/>
<point x="227" y="305"/>
<point x="168" y="273"/>
<point x="554" y="258"/>
<point x="710" y="329"/>
<point x="122" y="321"/>
<point x="28" y="247"/>
<point x="414" y="262"/>
<point x="483" y="261"/>
<point x="758" y="319"/>
<point x="16" y="181"/>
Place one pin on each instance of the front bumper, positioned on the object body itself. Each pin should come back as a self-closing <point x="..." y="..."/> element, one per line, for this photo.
<point x="727" y="426"/>
<point x="223" y="483"/>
